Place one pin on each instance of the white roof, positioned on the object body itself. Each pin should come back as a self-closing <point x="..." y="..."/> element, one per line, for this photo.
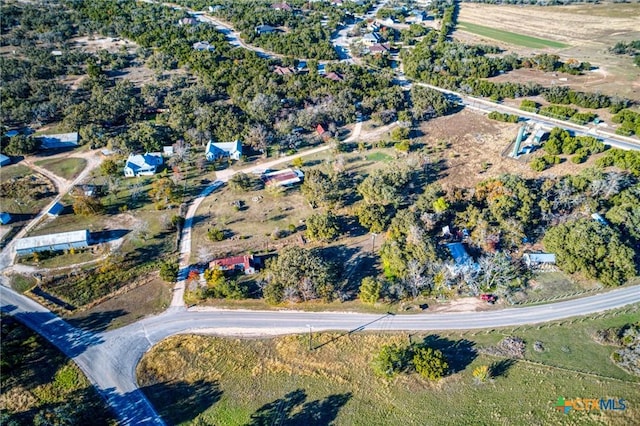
<point x="52" y="239"/>
<point x="139" y="161"/>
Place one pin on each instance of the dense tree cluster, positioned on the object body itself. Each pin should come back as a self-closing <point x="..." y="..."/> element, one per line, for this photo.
<point x="560" y="141"/>
<point x="631" y="48"/>
<point x="593" y="249"/>
<point x="299" y="274"/>
<point x="392" y="359"/>
<point x="629" y="122"/>
<point x="507" y="118"/>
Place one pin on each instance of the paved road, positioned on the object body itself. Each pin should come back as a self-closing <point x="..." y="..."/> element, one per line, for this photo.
<point x="109" y="359"/>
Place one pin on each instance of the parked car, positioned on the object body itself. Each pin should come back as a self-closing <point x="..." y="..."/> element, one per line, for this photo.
<point x="489" y="298"/>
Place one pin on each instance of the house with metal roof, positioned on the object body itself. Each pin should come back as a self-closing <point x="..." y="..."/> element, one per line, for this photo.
<point x="203" y="46"/>
<point x="53" y="242"/>
<point x="217" y="150"/>
<point x="143" y="164"/>
<point x="236" y="263"/>
<point x="459" y="254"/>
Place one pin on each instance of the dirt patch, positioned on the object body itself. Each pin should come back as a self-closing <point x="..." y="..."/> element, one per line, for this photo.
<point x="465" y="304"/>
<point x="466" y="141"/>
<point x="589" y="30"/>
<point x="150" y="298"/>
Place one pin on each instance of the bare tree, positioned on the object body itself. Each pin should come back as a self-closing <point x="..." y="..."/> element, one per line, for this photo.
<point x="259" y="137"/>
<point x="415" y="280"/>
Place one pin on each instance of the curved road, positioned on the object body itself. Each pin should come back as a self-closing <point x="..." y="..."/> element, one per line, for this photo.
<point x="109" y="359"/>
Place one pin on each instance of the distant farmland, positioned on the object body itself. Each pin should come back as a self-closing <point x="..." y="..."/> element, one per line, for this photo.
<point x="509" y="37"/>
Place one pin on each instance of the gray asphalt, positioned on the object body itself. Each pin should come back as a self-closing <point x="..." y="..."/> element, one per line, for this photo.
<point x="109" y="359"/>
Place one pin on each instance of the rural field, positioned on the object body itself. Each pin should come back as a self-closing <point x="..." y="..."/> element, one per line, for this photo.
<point x="196" y="379"/>
<point x="587" y="30"/>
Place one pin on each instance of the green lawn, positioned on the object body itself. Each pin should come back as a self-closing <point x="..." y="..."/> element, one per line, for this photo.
<point x="379" y="156"/>
<point x="68" y="168"/>
<point x="42" y="386"/>
<point x="509" y="37"/>
<point x="265" y="381"/>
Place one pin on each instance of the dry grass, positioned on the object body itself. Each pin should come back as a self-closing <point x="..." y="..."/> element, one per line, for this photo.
<point x="252" y="373"/>
<point x="588" y="28"/>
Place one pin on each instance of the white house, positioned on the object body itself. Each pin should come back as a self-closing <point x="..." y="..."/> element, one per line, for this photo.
<point x="203" y="46"/>
<point x="143" y="164"/>
<point x="216" y="150"/>
<point x="369" y="39"/>
<point x="534" y="260"/>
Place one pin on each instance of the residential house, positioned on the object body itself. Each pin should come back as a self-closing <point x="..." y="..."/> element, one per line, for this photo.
<point x="286" y="177"/>
<point x="459" y="254"/>
<point x="168" y="150"/>
<point x="283" y="70"/>
<point x="265" y="29"/>
<point x="4" y="160"/>
<point x="60" y="141"/>
<point x="282" y="6"/>
<point x="203" y="46"/>
<point x="188" y="21"/>
<point x="245" y="264"/>
<point x="143" y="164"/>
<point x="416" y="16"/>
<point x="537" y="260"/>
<point x="55" y="210"/>
<point x="53" y="242"/>
<point x="369" y="39"/>
<point x="334" y="76"/>
<point x="217" y="150"/>
<point x="323" y="132"/>
<point x="379" y="48"/>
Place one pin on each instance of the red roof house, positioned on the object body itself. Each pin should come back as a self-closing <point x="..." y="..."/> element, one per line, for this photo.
<point x="235" y="263"/>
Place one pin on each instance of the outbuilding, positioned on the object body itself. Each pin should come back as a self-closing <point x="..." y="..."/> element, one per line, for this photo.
<point x="53" y="242"/>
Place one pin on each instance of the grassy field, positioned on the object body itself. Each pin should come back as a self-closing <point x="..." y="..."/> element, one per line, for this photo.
<point x="41" y="386"/>
<point x="509" y="37"/>
<point x="68" y="168"/>
<point x="233" y="381"/>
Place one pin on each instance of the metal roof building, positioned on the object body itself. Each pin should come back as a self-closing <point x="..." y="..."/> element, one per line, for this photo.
<point x="63" y="140"/>
<point x="53" y="242"/>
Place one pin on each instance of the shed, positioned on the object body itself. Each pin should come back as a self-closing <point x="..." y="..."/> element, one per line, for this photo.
<point x="4" y="160"/>
<point x="53" y="242"/>
<point x="4" y="218"/>
<point x="63" y="140"/>
<point x="55" y="210"/>
<point x="286" y="177"/>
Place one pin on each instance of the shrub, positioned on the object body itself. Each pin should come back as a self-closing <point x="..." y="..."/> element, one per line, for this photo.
<point x="169" y="270"/>
<point x="430" y="363"/>
<point x="215" y="234"/>
<point x="370" y="290"/>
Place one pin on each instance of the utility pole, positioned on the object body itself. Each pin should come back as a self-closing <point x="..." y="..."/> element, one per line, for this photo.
<point x="310" y="347"/>
<point x="373" y="242"/>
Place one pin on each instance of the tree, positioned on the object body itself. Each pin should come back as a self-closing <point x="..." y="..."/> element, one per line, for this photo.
<point x="21" y="145"/>
<point x="163" y="193"/>
<point x="429" y="103"/>
<point x="169" y="270"/>
<point x="215" y="234"/>
<point x="322" y="227"/>
<point x="391" y="360"/>
<point x="374" y="217"/>
<point x="370" y="289"/>
<point x="294" y="271"/>
<point x="259" y="138"/>
<point x="243" y="182"/>
<point x="86" y="206"/>
<point x="109" y="167"/>
<point x="320" y="189"/>
<point x="430" y="363"/>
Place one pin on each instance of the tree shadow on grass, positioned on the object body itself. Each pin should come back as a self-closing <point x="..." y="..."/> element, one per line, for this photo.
<point x="293" y="410"/>
<point x="96" y="321"/>
<point x="179" y="401"/>
<point x="501" y="368"/>
<point x="459" y="353"/>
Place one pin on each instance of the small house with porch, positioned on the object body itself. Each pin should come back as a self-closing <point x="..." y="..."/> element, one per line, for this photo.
<point x="143" y="164"/>
<point x="217" y="150"/>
